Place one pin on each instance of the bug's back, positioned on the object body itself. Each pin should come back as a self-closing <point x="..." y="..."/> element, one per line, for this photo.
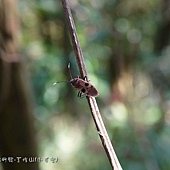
<point x="84" y="87"/>
<point x="77" y="83"/>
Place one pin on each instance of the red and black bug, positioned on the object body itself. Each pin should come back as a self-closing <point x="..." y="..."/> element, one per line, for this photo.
<point x="82" y="85"/>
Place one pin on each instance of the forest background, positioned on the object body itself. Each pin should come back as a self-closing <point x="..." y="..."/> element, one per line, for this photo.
<point x="126" y="46"/>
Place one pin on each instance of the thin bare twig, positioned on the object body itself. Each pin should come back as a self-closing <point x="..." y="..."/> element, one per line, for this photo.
<point x="91" y="100"/>
<point x="75" y="42"/>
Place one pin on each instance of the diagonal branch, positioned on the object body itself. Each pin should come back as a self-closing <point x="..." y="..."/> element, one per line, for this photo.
<point x="91" y="100"/>
<point x="75" y="42"/>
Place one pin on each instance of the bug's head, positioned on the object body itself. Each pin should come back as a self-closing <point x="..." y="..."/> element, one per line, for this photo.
<point x="74" y="81"/>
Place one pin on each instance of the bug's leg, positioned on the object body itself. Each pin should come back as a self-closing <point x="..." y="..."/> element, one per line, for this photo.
<point x="82" y="96"/>
<point x="78" y="94"/>
<point x="85" y="78"/>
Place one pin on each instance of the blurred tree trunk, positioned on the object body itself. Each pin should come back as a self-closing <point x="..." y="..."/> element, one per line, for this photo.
<point x="163" y="34"/>
<point x="17" y="135"/>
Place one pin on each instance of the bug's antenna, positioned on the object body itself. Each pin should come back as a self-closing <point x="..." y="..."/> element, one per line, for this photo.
<point x="61" y="82"/>
<point x="69" y="71"/>
<point x="65" y="80"/>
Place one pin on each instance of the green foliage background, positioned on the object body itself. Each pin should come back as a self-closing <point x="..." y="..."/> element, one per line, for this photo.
<point x="126" y="61"/>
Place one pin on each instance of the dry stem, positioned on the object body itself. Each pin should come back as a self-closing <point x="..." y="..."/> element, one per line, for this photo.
<point x="91" y="100"/>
